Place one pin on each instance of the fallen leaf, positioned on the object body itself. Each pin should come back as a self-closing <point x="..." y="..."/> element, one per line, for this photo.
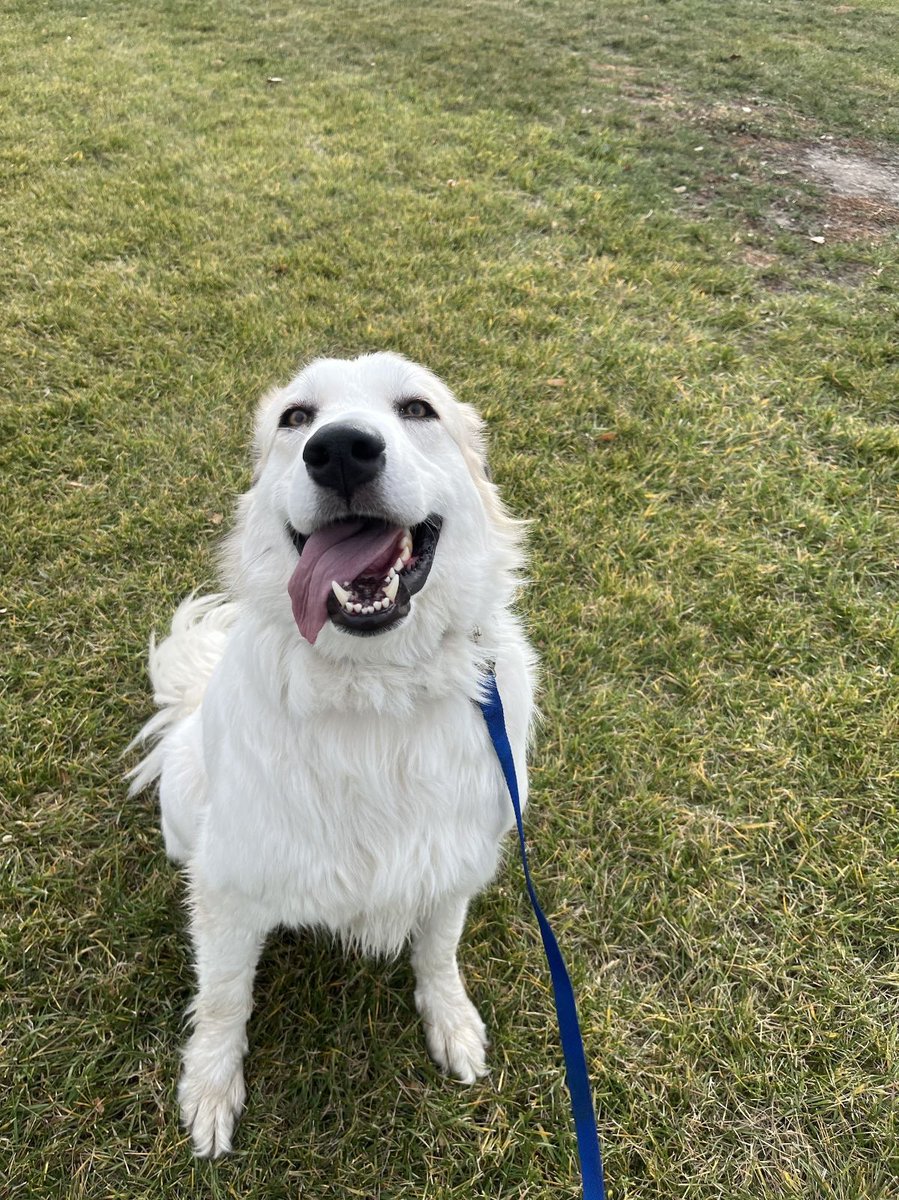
<point x="819" y="240"/>
<point x="679" y="189"/>
<point x="759" y="258"/>
<point x="557" y="382"/>
<point x="608" y="436"/>
<point x="274" y="79"/>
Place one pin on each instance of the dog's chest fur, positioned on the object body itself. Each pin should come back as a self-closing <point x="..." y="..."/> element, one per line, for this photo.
<point x="363" y="819"/>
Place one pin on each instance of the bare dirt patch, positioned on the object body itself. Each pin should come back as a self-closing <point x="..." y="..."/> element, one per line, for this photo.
<point x="855" y="217"/>
<point x="813" y="186"/>
<point x="825" y="192"/>
<point x="859" y="191"/>
<point x="854" y="175"/>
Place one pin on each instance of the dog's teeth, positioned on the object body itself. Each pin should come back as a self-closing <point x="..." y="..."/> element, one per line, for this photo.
<point x="398" y="565"/>
<point x="356" y="607"/>
<point x="341" y="593"/>
<point x="392" y="587"/>
<point x="368" y="608"/>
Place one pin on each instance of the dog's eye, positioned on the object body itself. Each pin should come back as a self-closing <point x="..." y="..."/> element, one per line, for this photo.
<point x="296" y="417"/>
<point x="415" y="410"/>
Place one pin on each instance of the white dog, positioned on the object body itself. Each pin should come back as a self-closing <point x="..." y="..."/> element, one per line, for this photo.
<point x="320" y="756"/>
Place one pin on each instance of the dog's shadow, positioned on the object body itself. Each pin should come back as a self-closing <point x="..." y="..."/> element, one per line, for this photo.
<point x="330" y="1027"/>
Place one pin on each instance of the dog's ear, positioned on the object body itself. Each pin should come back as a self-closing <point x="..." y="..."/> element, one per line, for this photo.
<point x="473" y="444"/>
<point x="465" y="426"/>
<point x="467" y="429"/>
<point x="265" y="429"/>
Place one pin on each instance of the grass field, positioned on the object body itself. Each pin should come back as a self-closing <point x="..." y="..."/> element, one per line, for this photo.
<point x="597" y="221"/>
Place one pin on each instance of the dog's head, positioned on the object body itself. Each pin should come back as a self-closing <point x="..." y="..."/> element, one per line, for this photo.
<point x="372" y="515"/>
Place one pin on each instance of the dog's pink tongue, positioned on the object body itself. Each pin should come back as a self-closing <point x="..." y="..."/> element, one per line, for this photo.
<point x="343" y="551"/>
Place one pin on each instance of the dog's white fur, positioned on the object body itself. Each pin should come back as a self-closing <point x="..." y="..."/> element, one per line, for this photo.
<point x="349" y="785"/>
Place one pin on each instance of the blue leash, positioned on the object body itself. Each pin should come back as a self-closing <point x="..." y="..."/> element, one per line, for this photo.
<point x="566" y="1010"/>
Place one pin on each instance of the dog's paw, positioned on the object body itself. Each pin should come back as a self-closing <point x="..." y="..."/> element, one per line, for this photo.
<point x="456" y="1038"/>
<point x="211" y="1102"/>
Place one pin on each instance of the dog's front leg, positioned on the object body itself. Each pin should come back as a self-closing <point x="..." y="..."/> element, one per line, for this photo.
<point x="454" y="1031"/>
<point x="211" y="1093"/>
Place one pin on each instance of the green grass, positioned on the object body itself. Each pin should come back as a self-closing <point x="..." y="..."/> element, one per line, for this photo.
<point x="696" y="406"/>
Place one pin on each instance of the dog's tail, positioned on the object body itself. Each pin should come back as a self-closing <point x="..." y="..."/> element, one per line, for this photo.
<point x="180" y="666"/>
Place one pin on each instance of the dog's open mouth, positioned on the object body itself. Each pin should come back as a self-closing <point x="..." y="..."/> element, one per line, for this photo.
<point x="359" y="573"/>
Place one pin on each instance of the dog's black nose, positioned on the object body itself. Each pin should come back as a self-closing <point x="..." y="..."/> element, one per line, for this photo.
<point x="343" y="457"/>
